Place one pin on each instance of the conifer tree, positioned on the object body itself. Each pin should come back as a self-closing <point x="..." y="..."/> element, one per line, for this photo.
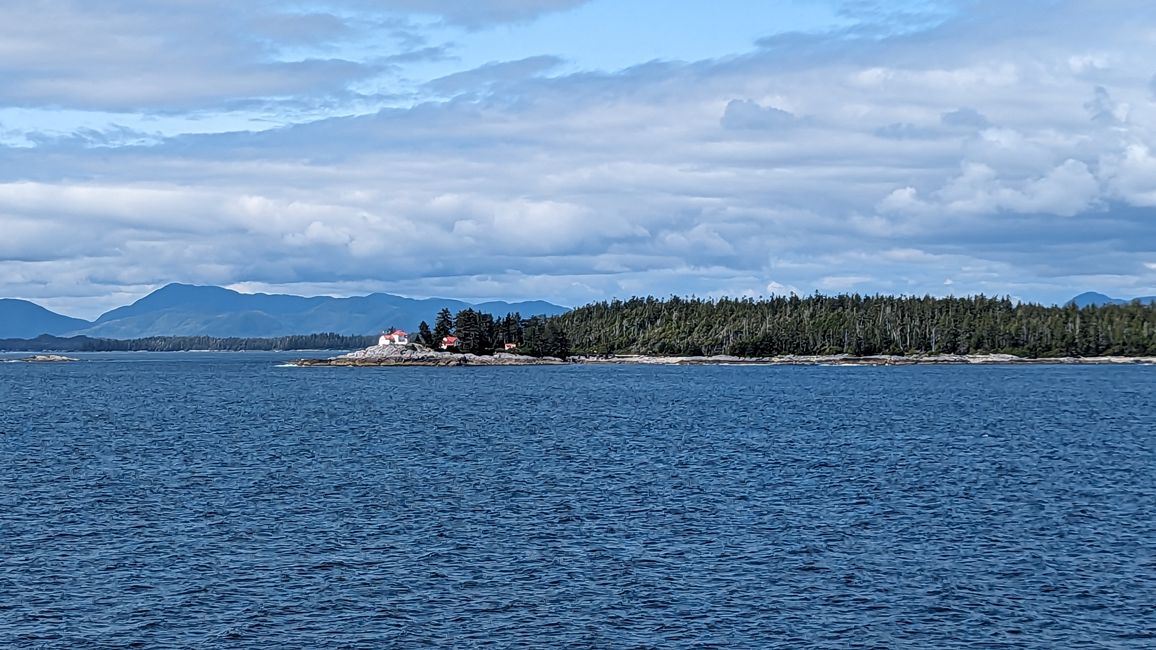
<point x="424" y="335"/>
<point x="443" y="325"/>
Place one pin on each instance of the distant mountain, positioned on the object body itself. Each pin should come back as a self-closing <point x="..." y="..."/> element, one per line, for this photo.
<point x="1092" y="298"/>
<point x="20" y="319"/>
<point x="188" y="310"/>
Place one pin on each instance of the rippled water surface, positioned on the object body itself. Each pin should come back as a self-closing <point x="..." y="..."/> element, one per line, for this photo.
<point x="219" y="501"/>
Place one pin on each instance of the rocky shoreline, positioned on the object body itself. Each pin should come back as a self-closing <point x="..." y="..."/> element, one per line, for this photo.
<point x="873" y="360"/>
<point x="418" y="355"/>
<point x="45" y="358"/>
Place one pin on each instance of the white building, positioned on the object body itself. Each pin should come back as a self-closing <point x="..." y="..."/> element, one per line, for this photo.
<point x="396" y="337"/>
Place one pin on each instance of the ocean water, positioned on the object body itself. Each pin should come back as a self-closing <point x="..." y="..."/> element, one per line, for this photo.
<point x="220" y="501"/>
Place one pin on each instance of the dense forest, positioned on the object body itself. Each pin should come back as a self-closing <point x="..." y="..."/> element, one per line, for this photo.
<point x="857" y="325"/>
<point x="814" y="325"/>
<point x="481" y="333"/>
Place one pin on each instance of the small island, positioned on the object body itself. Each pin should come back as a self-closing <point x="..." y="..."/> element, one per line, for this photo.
<point x="46" y="358"/>
<point x="415" y="354"/>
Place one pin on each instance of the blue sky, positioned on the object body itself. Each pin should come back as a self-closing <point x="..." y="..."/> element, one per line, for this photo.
<point x="573" y="150"/>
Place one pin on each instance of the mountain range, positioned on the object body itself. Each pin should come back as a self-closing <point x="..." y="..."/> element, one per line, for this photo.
<point x="189" y="310"/>
<point x="20" y="319"/>
<point x="1093" y="299"/>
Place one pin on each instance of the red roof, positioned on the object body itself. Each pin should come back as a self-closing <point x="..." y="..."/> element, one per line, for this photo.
<point x="398" y="333"/>
<point x="450" y="339"/>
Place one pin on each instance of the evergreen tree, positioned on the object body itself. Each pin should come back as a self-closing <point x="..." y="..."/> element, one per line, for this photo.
<point x="468" y="329"/>
<point x="424" y="335"/>
<point x="443" y="325"/>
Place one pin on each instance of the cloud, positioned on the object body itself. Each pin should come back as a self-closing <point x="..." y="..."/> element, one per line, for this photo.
<point x="180" y="56"/>
<point x="743" y="114"/>
<point x="780" y="289"/>
<point x="1066" y="190"/>
<point x="904" y="131"/>
<point x="967" y="118"/>
<point x="842" y="283"/>
<point x="759" y="172"/>
<point x="169" y="55"/>
<point x="897" y="14"/>
<point x="483" y="78"/>
<point x="1105" y="110"/>
<point x="478" y="13"/>
<point x="1131" y="175"/>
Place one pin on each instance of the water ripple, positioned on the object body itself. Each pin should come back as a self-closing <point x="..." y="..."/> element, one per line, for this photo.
<point x="218" y="501"/>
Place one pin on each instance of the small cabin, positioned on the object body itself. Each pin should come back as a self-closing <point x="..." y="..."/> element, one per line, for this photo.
<point x="511" y="346"/>
<point x="449" y="342"/>
<point x="396" y="337"/>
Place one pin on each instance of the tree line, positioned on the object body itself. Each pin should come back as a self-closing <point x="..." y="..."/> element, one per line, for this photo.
<point x="813" y="325"/>
<point x="856" y="325"/>
<point x="481" y="333"/>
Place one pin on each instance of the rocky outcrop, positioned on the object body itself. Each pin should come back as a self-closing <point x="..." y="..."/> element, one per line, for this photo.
<point x="419" y="355"/>
<point x="47" y="358"/>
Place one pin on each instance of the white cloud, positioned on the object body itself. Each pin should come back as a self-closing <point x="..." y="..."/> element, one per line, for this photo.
<point x="842" y="282"/>
<point x="1131" y="175"/>
<point x="996" y="172"/>
<point x="780" y="289"/>
<point x="746" y="114"/>
<point x="1066" y="190"/>
<point x="475" y="13"/>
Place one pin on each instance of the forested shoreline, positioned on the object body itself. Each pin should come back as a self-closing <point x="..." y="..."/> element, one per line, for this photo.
<point x="857" y="325"/>
<point x="813" y="325"/>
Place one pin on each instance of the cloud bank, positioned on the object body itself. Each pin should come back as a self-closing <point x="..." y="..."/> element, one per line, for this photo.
<point x="1005" y="150"/>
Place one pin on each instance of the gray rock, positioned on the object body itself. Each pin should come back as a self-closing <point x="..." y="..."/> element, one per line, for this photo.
<point x="418" y="355"/>
<point x="47" y="358"/>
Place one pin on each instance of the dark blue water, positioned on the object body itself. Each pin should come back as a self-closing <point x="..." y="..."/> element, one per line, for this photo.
<point x="218" y="501"/>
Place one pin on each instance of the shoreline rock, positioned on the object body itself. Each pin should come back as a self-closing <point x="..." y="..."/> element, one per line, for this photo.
<point x="872" y="360"/>
<point x="47" y="358"/>
<point x="418" y="355"/>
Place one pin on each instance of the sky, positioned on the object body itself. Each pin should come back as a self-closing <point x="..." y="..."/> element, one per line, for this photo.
<point x="576" y="150"/>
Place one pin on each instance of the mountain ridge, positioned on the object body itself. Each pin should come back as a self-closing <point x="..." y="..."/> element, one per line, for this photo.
<point x="25" y="319"/>
<point x="1096" y="299"/>
<point x="196" y="310"/>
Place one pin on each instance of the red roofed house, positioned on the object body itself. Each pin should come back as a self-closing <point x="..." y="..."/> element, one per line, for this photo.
<point x="396" y="337"/>
<point x="449" y="342"/>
